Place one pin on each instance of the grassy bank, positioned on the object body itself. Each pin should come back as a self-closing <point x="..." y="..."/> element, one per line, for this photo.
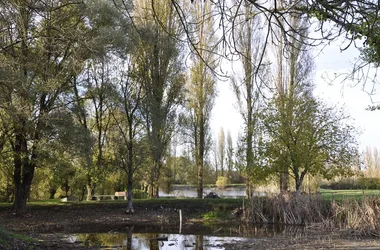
<point x="352" y="210"/>
<point x="356" y="194"/>
<point x="9" y="240"/>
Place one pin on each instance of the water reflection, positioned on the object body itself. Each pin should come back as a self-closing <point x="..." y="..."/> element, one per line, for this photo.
<point x="191" y="192"/>
<point x="150" y="242"/>
<point x="130" y="240"/>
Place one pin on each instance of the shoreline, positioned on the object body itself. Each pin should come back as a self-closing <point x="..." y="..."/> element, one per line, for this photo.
<point x="49" y="225"/>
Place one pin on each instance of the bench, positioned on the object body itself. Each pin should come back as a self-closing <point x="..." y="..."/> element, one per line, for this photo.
<point x="121" y="194"/>
<point x="100" y="197"/>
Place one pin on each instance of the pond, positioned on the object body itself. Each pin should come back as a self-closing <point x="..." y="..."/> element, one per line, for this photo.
<point x="191" y="192"/>
<point x="211" y="237"/>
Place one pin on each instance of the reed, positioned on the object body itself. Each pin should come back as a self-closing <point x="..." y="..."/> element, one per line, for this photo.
<point x="359" y="217"/>
<point x="286" y="209"/>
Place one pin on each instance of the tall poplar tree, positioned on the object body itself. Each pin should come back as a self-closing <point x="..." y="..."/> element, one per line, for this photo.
<point x="249" y="91"/>
<point x="160" y="69"/>
<point x="201" y="86"/>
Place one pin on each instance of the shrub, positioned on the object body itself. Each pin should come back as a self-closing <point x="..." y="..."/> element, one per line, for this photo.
<point x="139" y="194"/>
<point x="222" y="182"/>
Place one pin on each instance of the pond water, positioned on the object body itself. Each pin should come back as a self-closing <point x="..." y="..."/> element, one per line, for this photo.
<point x="191" y="192"/>
<point x="209" y="238"/>
<point x="153" y="241"/>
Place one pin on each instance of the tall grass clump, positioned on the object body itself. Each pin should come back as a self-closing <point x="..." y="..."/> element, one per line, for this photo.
<point x="358" y="217"/>
<point x="286" y="209"/>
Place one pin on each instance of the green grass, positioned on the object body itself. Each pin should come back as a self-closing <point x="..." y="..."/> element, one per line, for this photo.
<point x="329" y="194"/>
<point x="207" y="209"/>
<point x="216" y="215"/>
<point x="225" y="202"/>
<point x="240" y="185"/>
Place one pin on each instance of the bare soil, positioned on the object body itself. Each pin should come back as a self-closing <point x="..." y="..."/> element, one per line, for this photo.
<point x="49" y="224"/>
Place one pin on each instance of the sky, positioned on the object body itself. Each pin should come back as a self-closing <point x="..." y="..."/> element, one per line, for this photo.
<point x="328" y="62"/>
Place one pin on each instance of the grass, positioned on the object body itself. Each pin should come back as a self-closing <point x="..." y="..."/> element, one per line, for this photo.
<point x="341" y="195"/>
<point x="9" y="240"/>
<point x="327" y="194"/>
<point x="190" y="203"/>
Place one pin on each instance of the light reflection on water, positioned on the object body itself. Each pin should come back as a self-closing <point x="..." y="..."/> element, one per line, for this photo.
<point x="192" y="192"/>
<point x="209" y="238"/>
<point x="149" y="242"/>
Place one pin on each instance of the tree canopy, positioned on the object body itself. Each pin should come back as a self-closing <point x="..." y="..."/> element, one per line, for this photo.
<point x="99" y="96"/>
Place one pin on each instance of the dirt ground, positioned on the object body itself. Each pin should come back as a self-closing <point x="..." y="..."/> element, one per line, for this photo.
<point x="50" y="223"/>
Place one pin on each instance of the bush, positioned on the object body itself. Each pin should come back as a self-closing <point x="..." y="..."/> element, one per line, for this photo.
<point x="222" y="182"/>
<point x="139" y="194"/>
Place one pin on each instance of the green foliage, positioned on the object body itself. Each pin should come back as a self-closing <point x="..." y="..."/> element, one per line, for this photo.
<point x="139" y="194"/>
<point x="314" y="139"/>
<point x="222" y="182"/>
<point x="216" y="215"/>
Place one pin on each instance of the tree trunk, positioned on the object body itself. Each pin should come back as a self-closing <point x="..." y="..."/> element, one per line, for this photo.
<point x="90" y="188"/>
<point x="299" y="182"/>
<point x="83" y="193"/>
<point x="23" y="174"/>
<point x="154" y="179"/>
<point x="130" y="173"/>
<point x="201" y="148"/>
<point x="52" y="192"/>
<point x="284" y="180"/>
<point x="157" y="195"/>
<point x="130" y="192"/>
<point x="248" y="189"/>
<point x="298" y="187"/>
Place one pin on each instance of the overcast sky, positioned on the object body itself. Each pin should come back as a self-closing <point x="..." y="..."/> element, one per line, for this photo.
<point x="329" y="62"/>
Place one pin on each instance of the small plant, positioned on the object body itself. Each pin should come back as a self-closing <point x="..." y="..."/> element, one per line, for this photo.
<point x="215" y="215"/>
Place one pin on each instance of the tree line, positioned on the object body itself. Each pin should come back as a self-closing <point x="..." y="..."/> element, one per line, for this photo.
<point x="95" y="90"/>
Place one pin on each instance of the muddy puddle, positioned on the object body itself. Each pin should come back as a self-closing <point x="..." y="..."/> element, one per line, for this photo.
<point x="211" y="237"/>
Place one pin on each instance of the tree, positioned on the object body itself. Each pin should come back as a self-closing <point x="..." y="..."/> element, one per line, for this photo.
<point x="221" y="149"/>
<point x="293" y="75"/>
<point x="249" y="92"/>
<point x="201" y="88"/>
<point x="316" y="140"/>
<point x="372" y="162"/>
<point x="160" y="72"/>
<point x="98" y="84"/>
<point x="129" y="123"/>
<point x="215" y="157"/>
<point x="51" y="32"/>
<point x="230" y="155"/>
<point x="354" y="19"/>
